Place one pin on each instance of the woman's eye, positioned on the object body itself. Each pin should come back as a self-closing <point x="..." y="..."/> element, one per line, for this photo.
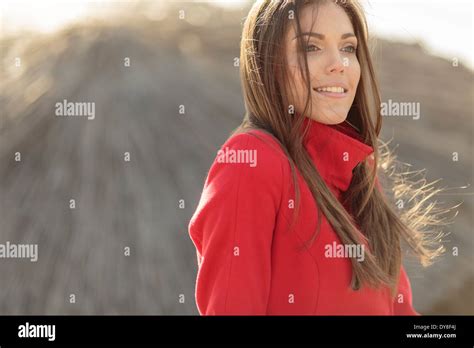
<point x="311" y="48"/>
<point x="351" y="49"/>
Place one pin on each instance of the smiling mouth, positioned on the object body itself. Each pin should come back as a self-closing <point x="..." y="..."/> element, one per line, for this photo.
<point x="332" y="92"/>
<point x="331" y="89"/>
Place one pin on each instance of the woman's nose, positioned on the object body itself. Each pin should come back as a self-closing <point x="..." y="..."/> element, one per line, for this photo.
<point x="336" y="63"/>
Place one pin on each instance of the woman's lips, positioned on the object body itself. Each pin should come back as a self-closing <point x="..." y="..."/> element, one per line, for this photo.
<point x="332" y="94"/>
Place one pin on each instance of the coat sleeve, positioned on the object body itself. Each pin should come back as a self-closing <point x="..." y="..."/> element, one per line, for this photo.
<point x="232" y="229"/>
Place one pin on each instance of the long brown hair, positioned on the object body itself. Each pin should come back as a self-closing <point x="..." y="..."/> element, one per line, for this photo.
<point x="264" y="79"/>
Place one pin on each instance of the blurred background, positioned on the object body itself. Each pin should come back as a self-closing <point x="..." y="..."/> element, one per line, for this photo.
<point x="166" y="89"/>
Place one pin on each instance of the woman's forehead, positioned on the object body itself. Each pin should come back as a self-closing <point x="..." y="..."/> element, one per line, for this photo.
<point x="326" y="17"/>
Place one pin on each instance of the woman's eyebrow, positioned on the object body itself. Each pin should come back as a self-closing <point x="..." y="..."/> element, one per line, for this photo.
<point x="322" y="37"/>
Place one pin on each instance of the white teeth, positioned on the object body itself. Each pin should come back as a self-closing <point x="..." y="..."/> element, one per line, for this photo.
<point x="330" y="89"/>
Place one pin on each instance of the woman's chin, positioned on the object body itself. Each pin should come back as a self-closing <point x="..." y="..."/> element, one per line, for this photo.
<point x="330" y="118"/>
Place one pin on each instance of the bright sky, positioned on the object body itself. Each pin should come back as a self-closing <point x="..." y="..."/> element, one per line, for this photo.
<point x="446" y="27"/>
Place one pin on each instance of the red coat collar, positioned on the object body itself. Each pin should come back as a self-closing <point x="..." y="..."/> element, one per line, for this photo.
<point x="336" y="150"/>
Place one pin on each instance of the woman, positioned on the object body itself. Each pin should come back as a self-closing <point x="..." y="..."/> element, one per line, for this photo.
<point x="292" y="220"/>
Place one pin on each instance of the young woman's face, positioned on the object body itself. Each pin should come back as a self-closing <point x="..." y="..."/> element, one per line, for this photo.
<point x="332" y="62"/>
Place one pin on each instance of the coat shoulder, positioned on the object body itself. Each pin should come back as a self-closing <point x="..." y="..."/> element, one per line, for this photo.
<point x="268" y="149"/>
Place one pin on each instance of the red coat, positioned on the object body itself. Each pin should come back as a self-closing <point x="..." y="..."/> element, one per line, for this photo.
<point x="249" y="263"/>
